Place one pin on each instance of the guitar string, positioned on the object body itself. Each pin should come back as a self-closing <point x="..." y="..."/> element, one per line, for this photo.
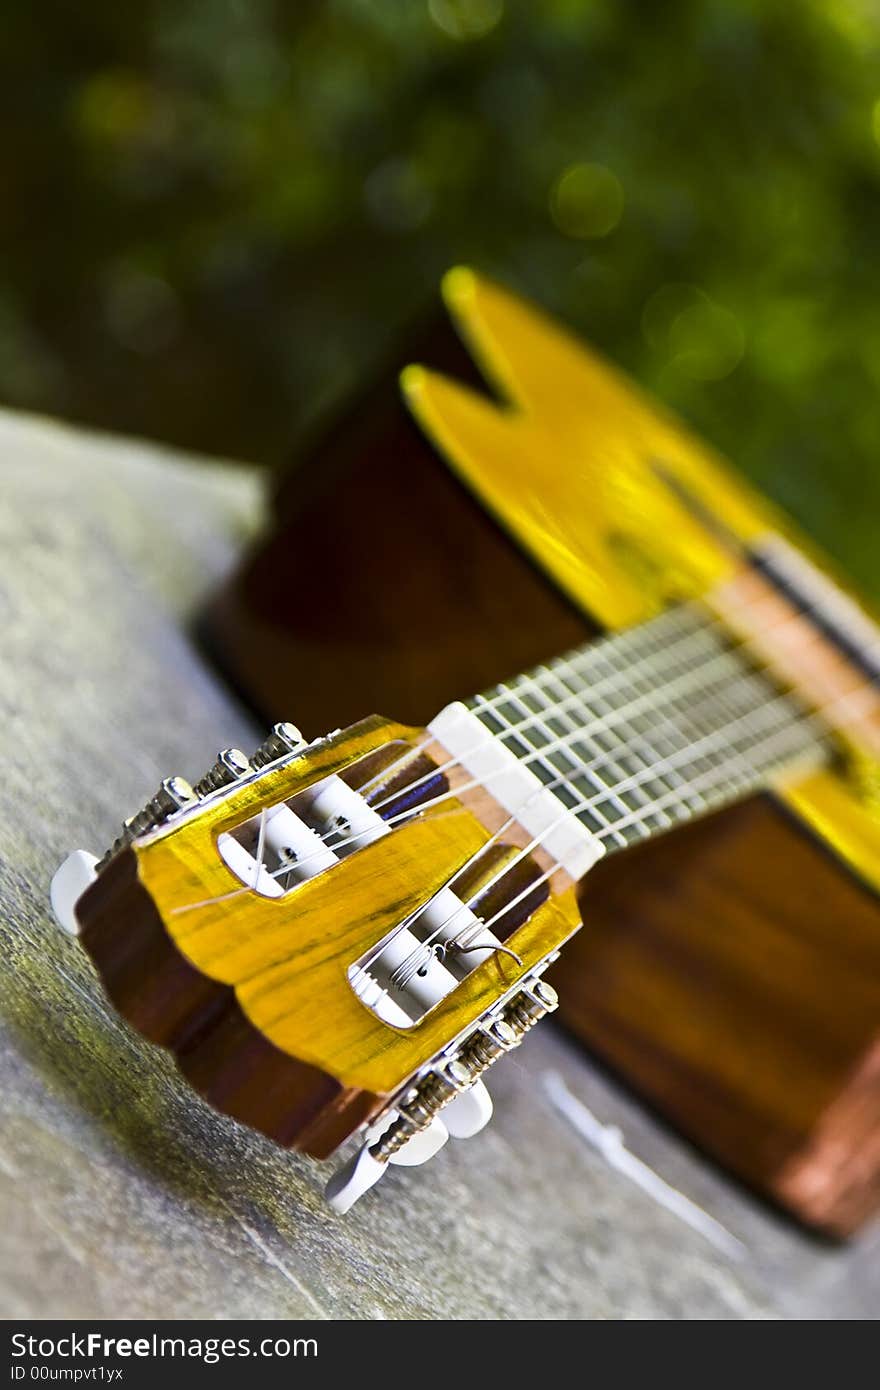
<point x="687" y="639"/>
<point x="590" y="694"/>
<point x="579" y="740"/>
<point x="330" y="838"/>
<point x="642" y="812"/>
<point x="722" y="776"/>
<point x="654" y="698"/>
<point x="723" y="772"/>
<point x="711" y="624"/>
<point x="717" y="778"/>
<point x="723" y="779"/>
<point x="657" y="770"/>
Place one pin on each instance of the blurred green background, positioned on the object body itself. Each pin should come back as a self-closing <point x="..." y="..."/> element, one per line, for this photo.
<point x="215" y="217"/>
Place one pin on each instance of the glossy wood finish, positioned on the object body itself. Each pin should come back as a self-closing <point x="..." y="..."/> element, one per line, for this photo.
<point x="382" y="584"/>
<point x="251" y="993"/>
<point x="123" y="1196"/>
<point x="624" y="507"/>
<point x="731" y="971"/>
<point x="728" y="970"/>
<point x="802" y="658"/>
<point x="200" y="1021"/>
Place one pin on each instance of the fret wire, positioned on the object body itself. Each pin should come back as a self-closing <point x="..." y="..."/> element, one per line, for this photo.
<point x="630" y="738"/>
<point x="559" y="711"/>
<point x="575" y="734"/>
<point x="719" y="792"/>
<point x="690" y="619"/>
<point x="600" y="816"/>
<point x="658" y="699"/>
<point x="705" y="731"/>
<point x="701" y="666"/>
<point x="753" y="776"/>
<point x="796" y="721"/>
<point x="693" y="612"/>
<point x="583" y="737"/>
<point x="588" y="769"/>
<point x="673" y="739"/>
<point x="682" y="644"/>
<point x="722" y="661"/>
<point x="657" y="646"/>
<point x="515" y="691"/>
<point x="630" y="649"/>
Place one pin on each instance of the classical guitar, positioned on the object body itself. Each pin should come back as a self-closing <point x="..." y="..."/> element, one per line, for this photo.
<point x="677" y="741"/>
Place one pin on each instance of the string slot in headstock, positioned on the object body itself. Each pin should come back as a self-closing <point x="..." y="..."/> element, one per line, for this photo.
<point x="326" y="920"/>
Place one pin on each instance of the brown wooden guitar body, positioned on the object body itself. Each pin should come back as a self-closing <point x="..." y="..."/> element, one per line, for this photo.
<point x="729" y="970"/>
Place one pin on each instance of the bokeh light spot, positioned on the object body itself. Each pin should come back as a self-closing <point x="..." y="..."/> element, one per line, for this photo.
<point x="586" y="201"/>
<point x="397" y="196"/>
<point x="789" y="340"/>
<point x="140" y="308"/>
<point x="698" y="338"/>
<point x="466" y="19"/>
<point x="113" y="106"/>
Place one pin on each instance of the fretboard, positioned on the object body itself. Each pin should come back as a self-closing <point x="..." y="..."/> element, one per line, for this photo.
<point x="638" y="732"/>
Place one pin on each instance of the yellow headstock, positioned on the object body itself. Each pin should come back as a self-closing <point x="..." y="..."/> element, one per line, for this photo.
<point x="360" y="901"/>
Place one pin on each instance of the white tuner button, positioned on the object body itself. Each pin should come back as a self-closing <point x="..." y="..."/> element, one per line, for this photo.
<point x="69" y="882"/>
<point x="363" y="1171"/>
<point x="420" y="1147"/>
<point x="468" y="1113"/>
<point x="353" y="1179"/>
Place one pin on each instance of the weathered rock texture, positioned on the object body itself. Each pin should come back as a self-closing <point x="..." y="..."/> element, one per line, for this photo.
<point x="121" y="1194"/>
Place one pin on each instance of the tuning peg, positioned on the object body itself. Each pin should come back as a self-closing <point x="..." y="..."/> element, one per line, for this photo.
<point x="415" y="1131"/>
<point x="230" y="765"/>
<point x="174" y="794"/>
<point x="284" y="739"/>
<point x="69" y="882"/>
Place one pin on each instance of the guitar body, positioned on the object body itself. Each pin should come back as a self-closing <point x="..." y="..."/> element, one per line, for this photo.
<point x="730" y="970"/>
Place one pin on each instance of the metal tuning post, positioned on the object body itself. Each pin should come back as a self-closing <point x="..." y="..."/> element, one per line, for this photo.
<point x="174" y="794"/>
<point x="80" y="869"/>
<point x="284" y="739"/>
<point x="411" y="1131"/>
<point x="230" y="765"/>
<point x="412" y="937"/>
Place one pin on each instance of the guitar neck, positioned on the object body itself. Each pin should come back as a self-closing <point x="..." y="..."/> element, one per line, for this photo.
<point x="640" y="731"/>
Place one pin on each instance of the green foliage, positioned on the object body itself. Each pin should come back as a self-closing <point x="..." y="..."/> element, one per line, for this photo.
<point x="215" y="217"/>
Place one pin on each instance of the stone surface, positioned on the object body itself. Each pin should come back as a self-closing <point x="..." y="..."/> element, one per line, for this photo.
<point x="121" y="1193"/>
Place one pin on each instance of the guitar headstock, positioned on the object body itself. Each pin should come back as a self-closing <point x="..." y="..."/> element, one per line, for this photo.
<point x="330" y="936"/>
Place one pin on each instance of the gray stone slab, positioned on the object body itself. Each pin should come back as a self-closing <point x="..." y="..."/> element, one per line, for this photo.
<point x="121" y="1193"/>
